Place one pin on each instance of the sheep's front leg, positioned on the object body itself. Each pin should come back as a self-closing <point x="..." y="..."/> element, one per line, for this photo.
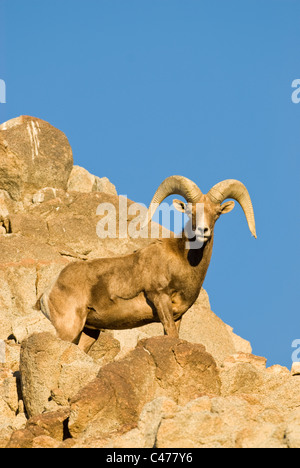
<point x="163" y="305"/>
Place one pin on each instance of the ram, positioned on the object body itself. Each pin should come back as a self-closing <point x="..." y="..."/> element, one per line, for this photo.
<point x="159" y="282"/>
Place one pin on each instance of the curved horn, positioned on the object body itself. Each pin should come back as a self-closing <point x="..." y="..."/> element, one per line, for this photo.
<point x="231" y="188"/>
<point x="173" y="185"/>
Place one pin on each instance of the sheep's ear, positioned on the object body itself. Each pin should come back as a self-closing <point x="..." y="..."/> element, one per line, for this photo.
<point x="227" y="207"/>
<point x="179" y="205"/>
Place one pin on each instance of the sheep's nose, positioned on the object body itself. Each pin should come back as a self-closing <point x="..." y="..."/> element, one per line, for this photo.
<point x="205" y="231"/>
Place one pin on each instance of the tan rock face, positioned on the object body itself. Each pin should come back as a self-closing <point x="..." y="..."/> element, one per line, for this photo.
<point x="33" y="155"/>
<point x="81" y="180"/>
<point x="42" y="431"/>
<point x="25" y="269"/>
<point x="159" y="366"/>
<point x="166" y="392"/>
<point x="52" y="371"/>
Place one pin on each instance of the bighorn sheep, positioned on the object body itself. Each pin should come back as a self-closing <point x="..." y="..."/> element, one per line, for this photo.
<point x="159" y="282"/>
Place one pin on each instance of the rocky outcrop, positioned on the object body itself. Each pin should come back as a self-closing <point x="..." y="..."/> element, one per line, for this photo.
<point x="42" y="431"/>
<point x="33" y="155"/>
<point x="52" y="371"/>
<point x="81" y="180"/>
<point x="135" y="388"/>
<point x="108" y="400"/>
<point x="166" y="393"/>
<point x="159" y="366"/>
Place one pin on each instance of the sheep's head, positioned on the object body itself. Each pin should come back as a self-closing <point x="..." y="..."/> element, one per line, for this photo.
<point x="202" y="217"/>
<point x="203" y="210"/>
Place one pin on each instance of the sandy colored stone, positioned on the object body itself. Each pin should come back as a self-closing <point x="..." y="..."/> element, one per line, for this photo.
<point x="81" y="180"/>
<point x="242" y="378"/>
<point x="11" y="356"/>
<point x="33" y="155"/>
<point x="144" y="435"/>
<point x="8" y="395"/>
<point x="103" y="184"/>
<point x="189" y="429"/>
<point x="52" y="371"/>
<point x="44" y="441"/>
<point x="292" y="431"/>
<point x="265" y="435"/>
<point x="115" y="398"/>
<point x="158" y="367"/>
<point x="26" y="267"/>
<point x="42" y="431"/>
<point x="183" y="370"/>
<point x="29" y="225"/>
<point x="257" y="361"/>
<point x="105" y="349"/>
<point x="231" y="422"/>
<point x="295" y="370"/>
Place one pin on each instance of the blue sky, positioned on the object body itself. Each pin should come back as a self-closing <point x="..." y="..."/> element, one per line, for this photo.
<point x="201" y="88"/>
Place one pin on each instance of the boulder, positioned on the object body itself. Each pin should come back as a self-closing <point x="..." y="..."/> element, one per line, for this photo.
<point x="103" y="184"/>
<point x="157" y="367"/>
<point x="8" y="395"/>
<point x="218" y="422"/>
<point x="33" y="155"/>
<point x="143" y="435"/>
<point x="52" y="371"/>
<point x="257" y="407"/>
<point x="12" y="417"/>
<point x="292" y="431"/>
<point x="295" y="370"/>
<point x="105" y="349"/>
<point x="26" y="268"/>
<point x="42" y="431"/>
<point x="81" y="180"/>
<point x="183" y="370"/>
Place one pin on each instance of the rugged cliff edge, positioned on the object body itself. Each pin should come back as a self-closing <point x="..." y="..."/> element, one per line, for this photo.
<point x="135" y="388"/>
